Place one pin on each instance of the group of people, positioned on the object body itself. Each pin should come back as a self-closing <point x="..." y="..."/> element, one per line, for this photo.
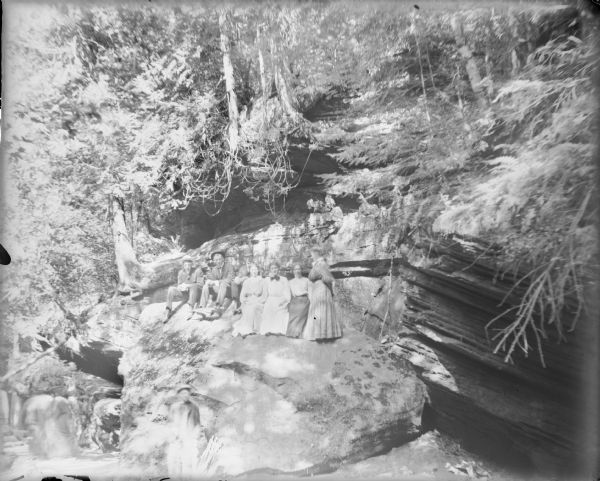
<point x="302" y="307"/>
<point x="205" y="286"/>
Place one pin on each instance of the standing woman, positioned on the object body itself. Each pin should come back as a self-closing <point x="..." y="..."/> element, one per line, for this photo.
<point x="277" y="296"/>
<point x="299" y="304"/>
<point x="251" y="298"/>
<point x="322" y="323"/>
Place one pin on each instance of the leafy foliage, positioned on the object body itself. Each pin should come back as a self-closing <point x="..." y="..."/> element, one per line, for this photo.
<point x="132" y="102"/>
<point x="538" y="204"/>
<point x="112" y="101"/>
<point x="517" y="172"/>
<point x="53" y="210"/>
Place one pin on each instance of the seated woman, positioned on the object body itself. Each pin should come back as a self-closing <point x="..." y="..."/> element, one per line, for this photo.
<point x="298" y="308"/>
<point x="322" y="323"/>
<point x="251" y="298"/>
<point x="277" y="296"/>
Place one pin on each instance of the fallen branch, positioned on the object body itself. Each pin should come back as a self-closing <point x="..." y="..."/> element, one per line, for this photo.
<point x="550" y="286"/>
<point x="4" y="379"/>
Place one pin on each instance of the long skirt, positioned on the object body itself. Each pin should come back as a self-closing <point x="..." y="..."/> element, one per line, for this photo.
<point x="298" y="309"/>
<point x="249" y="323"/>
<point x="323" y="322"/>
<point x="274" y="317"/>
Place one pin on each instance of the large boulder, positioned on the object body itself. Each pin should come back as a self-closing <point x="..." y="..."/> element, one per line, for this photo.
<point x="276" y="404"/>
<point x="432" y="456"/>
<point x="110" y="328"/>
<point x="106" y="424"/>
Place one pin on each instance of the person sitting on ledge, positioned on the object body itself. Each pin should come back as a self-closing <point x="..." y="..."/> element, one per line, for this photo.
<point x="251" y="304"/>
<point x="242" y="273"/>
<point x="189" y="286"/>
<point x="276" y="296"/>
<point x="218" y="282"/>
<point x="299" y="304"/>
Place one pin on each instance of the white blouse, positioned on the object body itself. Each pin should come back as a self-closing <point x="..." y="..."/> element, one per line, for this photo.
<point x="299" y="287"/>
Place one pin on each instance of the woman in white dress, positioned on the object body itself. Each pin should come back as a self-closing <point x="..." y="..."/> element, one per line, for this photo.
<point x="277" y="296"/>
<point x="251" y="298"/>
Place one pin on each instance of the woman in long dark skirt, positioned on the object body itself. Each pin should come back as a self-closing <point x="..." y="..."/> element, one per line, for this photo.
<point x="323" y="322"/>
<point x="299" y="304"/>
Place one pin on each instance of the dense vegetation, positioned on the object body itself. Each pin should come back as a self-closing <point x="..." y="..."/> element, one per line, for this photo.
<point x="475" y="121"/>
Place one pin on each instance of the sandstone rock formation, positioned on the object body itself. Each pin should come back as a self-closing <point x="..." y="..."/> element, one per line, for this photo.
<point x="277" y="404"/>
<point x="443" y="293"/>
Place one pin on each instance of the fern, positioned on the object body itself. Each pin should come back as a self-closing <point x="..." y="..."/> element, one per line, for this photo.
<point x="554" y="288"/>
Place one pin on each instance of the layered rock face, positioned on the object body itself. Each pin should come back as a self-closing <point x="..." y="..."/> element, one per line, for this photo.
<point x="443" y="292"/>
<point x="520" y="412"/>
<point x="276" y="404"/>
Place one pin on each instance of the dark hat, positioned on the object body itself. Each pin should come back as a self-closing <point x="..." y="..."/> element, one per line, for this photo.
<point x="212" y="256"/>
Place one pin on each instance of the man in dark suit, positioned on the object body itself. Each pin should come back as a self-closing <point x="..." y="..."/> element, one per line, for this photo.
<point x="218" y="281"/>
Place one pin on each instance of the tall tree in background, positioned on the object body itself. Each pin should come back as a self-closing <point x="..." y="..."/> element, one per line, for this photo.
<point x="232" y="104"/>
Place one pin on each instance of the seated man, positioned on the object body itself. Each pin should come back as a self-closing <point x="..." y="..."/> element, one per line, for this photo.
<point x="189" y="286"/>
<point x="242" y="273"/>
<point x="218" y="281"/>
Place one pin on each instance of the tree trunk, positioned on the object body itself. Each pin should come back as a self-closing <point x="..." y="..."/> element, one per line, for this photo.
<point x="128" y="266"/>
<point x="284" y="95"/>
<point x="488" y="74"/>
<point x="136" y="278"/>
<point x="264" y="81"/>
<point x="516" y="65"/>
<point x="467" y="55"/>
<point x="229" y="83"/>
<point x="281" y="84"/>
<point x="513" y="23"/>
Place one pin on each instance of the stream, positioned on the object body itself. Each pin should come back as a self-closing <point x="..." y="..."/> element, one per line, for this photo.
<point x="28" y="467"/>
<point x="432" y="456"/>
